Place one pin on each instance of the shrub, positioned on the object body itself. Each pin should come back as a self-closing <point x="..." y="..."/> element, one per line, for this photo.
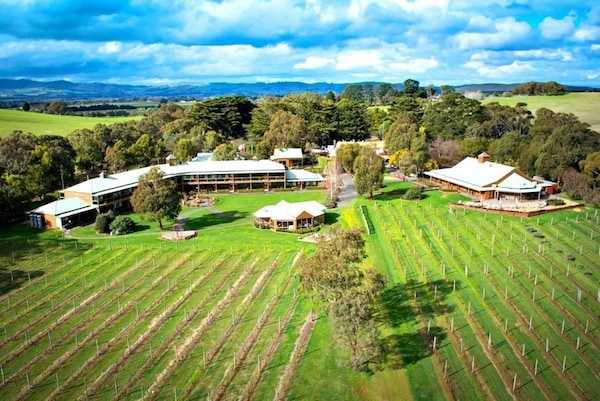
<point x="122" y="225"/>
<point x="414" y="193"/>
<point x="103" y="221"/>
<point x="556" y="202"/>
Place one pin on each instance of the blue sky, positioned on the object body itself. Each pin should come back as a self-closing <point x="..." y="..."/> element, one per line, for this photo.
<point x="194" y="41"/>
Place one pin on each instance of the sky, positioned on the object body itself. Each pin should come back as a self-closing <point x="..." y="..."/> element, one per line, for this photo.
<point x="439" y="42"/>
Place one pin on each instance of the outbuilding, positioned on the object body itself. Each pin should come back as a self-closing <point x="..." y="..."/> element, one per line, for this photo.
<point x="290" y="216"/>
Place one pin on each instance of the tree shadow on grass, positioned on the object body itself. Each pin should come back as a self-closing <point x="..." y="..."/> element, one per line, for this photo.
<point x="391" y="195"/>
<point x="402" y="350"/>
<point x="397" y="304"/>
<point x="213" y="219"/>
<point x="331" y="217"/>
<point x="404" y="303"/>
<point x="398" y="194"/>
<point x="141" y="227"/>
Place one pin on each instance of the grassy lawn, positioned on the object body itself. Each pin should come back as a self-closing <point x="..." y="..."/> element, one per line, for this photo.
<point x="38" y="123"/>
<point x="583" y="105"/>
<point x="136" y="316"/>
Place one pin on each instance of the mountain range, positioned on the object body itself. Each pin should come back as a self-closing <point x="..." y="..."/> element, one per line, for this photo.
<point x="13" y="90"/>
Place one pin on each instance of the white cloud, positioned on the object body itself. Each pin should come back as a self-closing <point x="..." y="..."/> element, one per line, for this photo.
<point x="110" y="48"/>
<point x="500" y="33"/>
<point x="587" y="33"/>
<point x="556" y="29"/>
<point x="313" y="62"/>
<point x="545" y="54"/>
<point x="354" y="59"/>
<point x="505" y="71"/>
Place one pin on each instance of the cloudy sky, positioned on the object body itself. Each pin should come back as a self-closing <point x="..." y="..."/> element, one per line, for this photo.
<point x="195" y="41"/>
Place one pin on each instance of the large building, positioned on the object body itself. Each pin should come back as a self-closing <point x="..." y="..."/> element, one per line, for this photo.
<point x="112" y="192"/>
<point x="483" y="179"/>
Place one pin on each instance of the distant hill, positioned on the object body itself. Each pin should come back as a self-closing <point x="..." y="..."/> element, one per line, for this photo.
<point x="24" y="89"/>
<point x="13" y="90"/>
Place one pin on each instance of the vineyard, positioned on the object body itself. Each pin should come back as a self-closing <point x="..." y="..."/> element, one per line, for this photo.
<point x="498" y="307"/>
<point x="476" y="307"/>
<point x="164" y="321"/>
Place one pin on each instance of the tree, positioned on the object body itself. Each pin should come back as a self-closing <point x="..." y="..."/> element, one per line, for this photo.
<point x="184" y="150"/>
<point x="122" y="225"/>
<point x="450" y="117"/>
<point x="89" y="147"/>
<point x="346" y="153"/>
<point x="285" y="130"/>
<point x="346" y="291"/>
<point x="226" y="115"/>
<point x="225" y="151"/>
<point x="26" y="106"/>
<point x="57" y="107"/>
<point x="352" y="122"/>
<point x="368" y="171"/>
<point x="591" y="169"/>
<point x="445" y="152"/>
<point x="411" y="88"/>
<point x="156" y="198"/>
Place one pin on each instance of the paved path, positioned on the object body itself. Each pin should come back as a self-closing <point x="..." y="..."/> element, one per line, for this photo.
<point x="347" y="191"/>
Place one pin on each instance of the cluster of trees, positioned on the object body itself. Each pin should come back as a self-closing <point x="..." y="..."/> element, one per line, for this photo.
<point x="365" y="164"/>
<point x="539" y="88"/>
<point x="421" y="130"/>
<point x="31" y="167"/>
<point x="347" y="293"/>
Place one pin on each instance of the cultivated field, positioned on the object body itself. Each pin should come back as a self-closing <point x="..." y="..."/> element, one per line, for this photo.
<point x="483" y="306"/>
<point x="477" y="307"/>
<point x="583" y="105"/>
<point x="38" y="123"/>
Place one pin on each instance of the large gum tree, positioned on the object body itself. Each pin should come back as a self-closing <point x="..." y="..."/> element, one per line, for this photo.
<point x="156" y="198"/>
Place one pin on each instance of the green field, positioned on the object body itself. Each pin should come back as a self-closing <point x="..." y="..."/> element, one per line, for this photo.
<point x="38" y="123"/>
<point x="583" y="105"/>
<point x="220" y="317"/>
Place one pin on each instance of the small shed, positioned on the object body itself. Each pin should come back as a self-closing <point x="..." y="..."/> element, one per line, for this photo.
<point x="290" y="216"/>
<point x="62" y="213"/>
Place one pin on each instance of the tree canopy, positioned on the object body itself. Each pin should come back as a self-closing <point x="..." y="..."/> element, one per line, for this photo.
<point x="156" y="198"/>
<point x="368" y="171"/>
<point x="346" y="291"/>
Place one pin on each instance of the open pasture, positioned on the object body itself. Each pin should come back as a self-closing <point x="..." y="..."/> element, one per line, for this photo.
<point x="39" y="124"/>
<point x="582" y="104"/>
<point x="498" y="307"/>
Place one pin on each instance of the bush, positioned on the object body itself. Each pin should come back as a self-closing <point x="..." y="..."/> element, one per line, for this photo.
<point x="103" y="221"/>
<point x="122" y="225"/>
<point x="414" y="193"/>
<point x="556" y="202"/>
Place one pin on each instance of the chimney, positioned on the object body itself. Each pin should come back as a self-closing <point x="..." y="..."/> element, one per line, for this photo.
<point x="484" y="157"/>
<point x="102" y="174"/>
